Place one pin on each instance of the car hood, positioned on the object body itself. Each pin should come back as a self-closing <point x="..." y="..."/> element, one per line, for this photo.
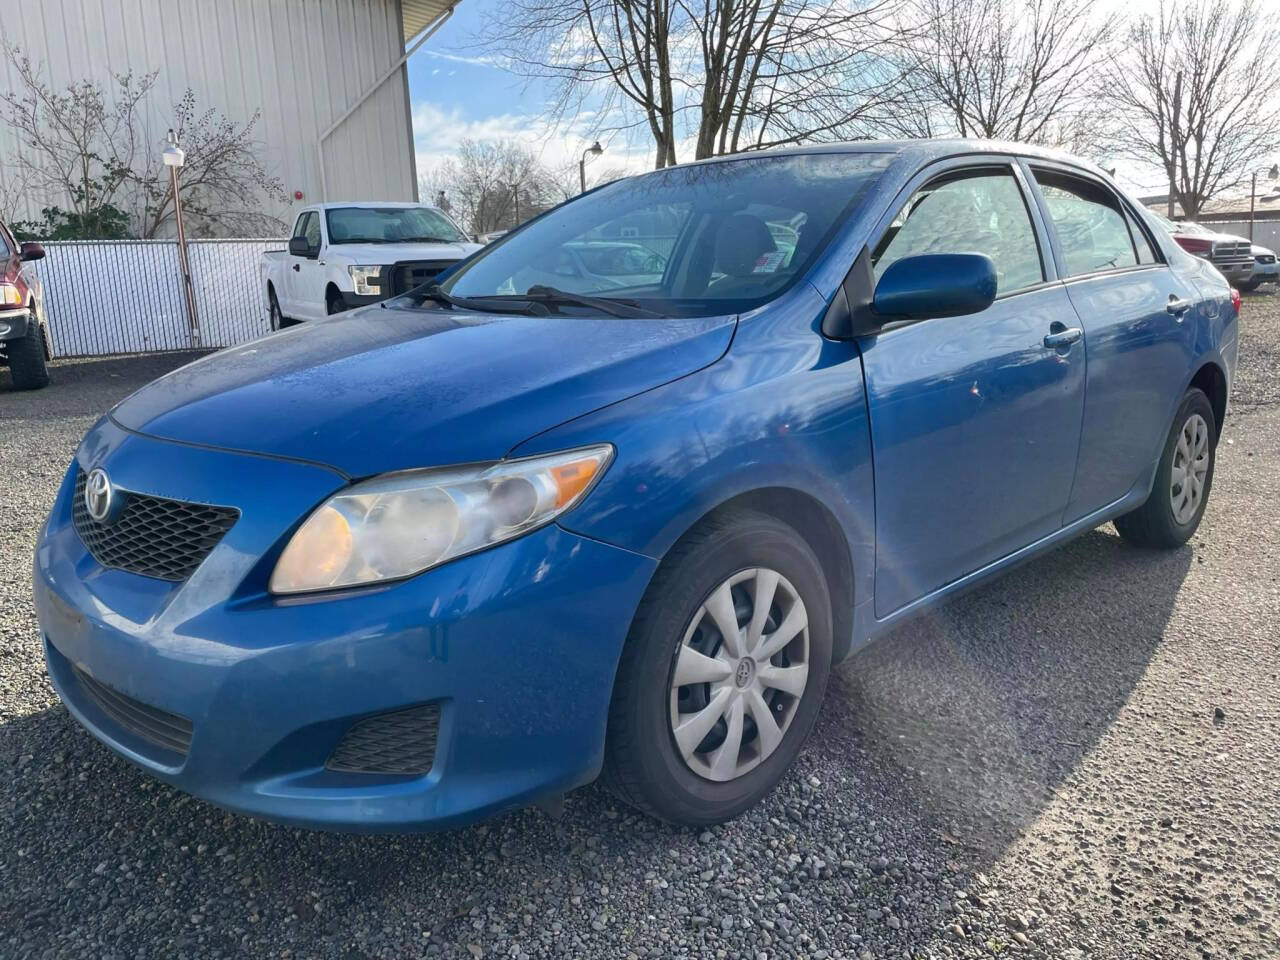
<point x="395" y="252"/>
<point x="397" y="387"/>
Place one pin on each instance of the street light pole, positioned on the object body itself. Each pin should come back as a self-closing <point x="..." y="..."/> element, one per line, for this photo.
<point x="595" y="150"/>
<point x="174" y="158"/>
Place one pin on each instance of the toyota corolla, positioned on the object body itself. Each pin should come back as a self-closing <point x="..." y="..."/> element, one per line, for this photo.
<point x="467" y="549"/>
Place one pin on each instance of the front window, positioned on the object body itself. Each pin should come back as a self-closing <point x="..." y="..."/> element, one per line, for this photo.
<point x="390" y="225"/>
<point x="697" y="240"/>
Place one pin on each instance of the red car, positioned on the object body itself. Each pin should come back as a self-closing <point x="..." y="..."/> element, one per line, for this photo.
<point x="24" y="341"/>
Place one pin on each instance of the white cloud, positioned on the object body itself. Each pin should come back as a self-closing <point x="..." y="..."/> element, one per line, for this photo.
<point x="438" y="130"/>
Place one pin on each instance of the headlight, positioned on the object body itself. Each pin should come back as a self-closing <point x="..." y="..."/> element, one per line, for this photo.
<point x="10" y="296"/>
<point x="400" y="524"/>
<point x="367" y="280"/>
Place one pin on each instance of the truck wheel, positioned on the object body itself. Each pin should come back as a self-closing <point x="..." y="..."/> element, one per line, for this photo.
<point x="1248" y="286"/>
<point x="278" y="320"/>
<point x="722" y="674"/>
<point x="1183" y="480"/>
<point x="333" y="303"/>
<point x="26" y="359"/>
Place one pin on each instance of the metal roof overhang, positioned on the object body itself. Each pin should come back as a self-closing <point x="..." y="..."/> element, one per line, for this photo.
<point x="417" y="15"/>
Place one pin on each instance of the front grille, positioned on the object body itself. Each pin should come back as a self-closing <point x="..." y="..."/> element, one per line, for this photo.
<point x="1232" y="252"/>
<point x="152" y="536"/>
<point x="157" y="726"/>
<point x="408" y="274"/>
<point x="403" y="742"/>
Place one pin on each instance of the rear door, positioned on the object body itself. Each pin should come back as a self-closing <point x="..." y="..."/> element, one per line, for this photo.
<point x="1139" y="339"/>
<point x="975" y="420"/>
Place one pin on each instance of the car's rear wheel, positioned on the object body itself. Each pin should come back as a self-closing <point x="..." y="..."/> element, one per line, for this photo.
<point x="1184" y="477"/>
<point x="723" y="672"/>
<point x="27" y="363"/>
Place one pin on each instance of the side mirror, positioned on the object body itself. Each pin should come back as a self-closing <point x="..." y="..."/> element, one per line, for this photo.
<point x="31" y="251"/>
<point x="936" y="285"/>
<point x="299" y="247"/>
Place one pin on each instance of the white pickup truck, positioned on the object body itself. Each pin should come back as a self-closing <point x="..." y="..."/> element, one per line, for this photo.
<point x="344" y="255"/>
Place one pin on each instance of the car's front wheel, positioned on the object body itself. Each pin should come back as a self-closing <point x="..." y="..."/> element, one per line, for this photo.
<point x="1184" y="477"/>
<point x="723" y="672"/>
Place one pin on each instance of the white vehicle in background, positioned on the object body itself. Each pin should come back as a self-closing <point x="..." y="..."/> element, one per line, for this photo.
<point x="345" y="255"/>
<point x="1265" y="268"/>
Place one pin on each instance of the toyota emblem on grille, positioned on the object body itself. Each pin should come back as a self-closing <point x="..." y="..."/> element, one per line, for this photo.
<point x="98" y="494"/>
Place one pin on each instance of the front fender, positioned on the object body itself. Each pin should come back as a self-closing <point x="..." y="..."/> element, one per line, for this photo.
<point x="783" y="408"/>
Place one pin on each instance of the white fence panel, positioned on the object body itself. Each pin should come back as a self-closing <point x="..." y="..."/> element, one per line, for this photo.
<point x="125" y="296"/>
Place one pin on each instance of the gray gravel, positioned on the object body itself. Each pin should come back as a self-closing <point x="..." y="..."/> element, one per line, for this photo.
<point x="1078" y="760"/>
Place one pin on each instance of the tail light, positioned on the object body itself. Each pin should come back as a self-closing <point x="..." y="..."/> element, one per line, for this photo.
<point x="1235" y="300"/>
<point x="1200" y="246"/>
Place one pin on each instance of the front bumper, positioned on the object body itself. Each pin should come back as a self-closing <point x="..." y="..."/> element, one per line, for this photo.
<point x="1266" y="272"/>
<point x="14" y="323"/>
<point x="351" y="301"/>
<point x="517" y="645"/>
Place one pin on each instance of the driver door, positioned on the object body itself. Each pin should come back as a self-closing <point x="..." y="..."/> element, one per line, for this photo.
<point x="975" y="421"/>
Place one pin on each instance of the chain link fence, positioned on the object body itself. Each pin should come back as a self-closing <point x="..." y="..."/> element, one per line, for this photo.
<point x="106" y="297"/>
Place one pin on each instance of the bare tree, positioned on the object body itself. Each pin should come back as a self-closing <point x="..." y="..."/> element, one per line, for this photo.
<point x="492" y="185"/>
<point x="89" y="152"/>
<point x="78" y="145"/>
<point x="1004" y="69"/>
<point x="731" y="74"/>
<point x="1194" y="93"/>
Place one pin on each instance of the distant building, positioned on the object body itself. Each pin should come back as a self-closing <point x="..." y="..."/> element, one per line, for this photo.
<point x="1266" y="207"/>
<point x="303" y="63"/>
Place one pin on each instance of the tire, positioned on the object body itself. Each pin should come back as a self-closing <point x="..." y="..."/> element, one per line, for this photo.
<point x="1248" y="286"/>
<point x="333" y="303"/>
<point x="644" y="765"/>
<point x="274" y="317"/>
<point x="1158" y="523"/>
<point x="27" y="364"/>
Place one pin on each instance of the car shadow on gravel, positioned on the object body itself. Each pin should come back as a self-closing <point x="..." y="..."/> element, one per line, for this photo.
<point x="984" y="706"/>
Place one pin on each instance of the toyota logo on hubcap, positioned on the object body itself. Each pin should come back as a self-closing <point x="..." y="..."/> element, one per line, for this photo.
<point x="98" y="494"/>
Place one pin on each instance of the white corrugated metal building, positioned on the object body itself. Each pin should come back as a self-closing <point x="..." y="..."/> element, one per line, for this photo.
<point x="306" y="64"/>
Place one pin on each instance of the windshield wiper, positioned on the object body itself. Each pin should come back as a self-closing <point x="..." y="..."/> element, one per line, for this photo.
<point x="425" y="240"/>
<point x="541" y="293"/>
<point x="433" y="291"/>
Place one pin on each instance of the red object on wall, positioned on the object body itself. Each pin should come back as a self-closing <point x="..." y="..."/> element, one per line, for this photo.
<point x="297" y="194"/>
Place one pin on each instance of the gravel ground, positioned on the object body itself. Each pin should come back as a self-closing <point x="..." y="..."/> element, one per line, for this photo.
<point x="1077" y="760"/>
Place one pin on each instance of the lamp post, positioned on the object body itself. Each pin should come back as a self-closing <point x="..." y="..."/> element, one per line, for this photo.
<point x="594" y="150"/>
<point x="1272" y="174"/>
<point x="174" y="158"/>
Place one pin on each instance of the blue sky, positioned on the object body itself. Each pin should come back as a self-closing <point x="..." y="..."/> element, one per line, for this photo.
<point x="456" y="92"/>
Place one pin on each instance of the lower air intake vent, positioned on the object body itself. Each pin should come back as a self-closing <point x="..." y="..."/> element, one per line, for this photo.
<point x="157" y="726"/>
<point x="393" y="743"/>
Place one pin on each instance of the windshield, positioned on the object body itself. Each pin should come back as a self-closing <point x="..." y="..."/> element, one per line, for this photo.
<point x="390" y="225"/>
<point x="697" y="240"/>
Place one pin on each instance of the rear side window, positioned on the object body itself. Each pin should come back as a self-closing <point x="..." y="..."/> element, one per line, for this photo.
<point x="1140" y="241"/>
<point x="977" y="211"/>
<point x="1091" y="225"/>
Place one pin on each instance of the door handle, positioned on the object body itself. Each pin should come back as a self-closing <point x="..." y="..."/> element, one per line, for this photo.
<point x="1063" y="337"/>
<point x="1177" y="307"/>
<point x="296" y="268"/>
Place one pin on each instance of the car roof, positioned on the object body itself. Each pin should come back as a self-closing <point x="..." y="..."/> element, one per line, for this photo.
<point x="925" y="150"/>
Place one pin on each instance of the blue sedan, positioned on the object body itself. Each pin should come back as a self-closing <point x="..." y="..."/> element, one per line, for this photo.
<point x="473" y="547"/>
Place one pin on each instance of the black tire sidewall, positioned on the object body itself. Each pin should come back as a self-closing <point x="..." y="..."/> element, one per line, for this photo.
<point x="677" y="792"/>
<point x="27" y="366"/>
